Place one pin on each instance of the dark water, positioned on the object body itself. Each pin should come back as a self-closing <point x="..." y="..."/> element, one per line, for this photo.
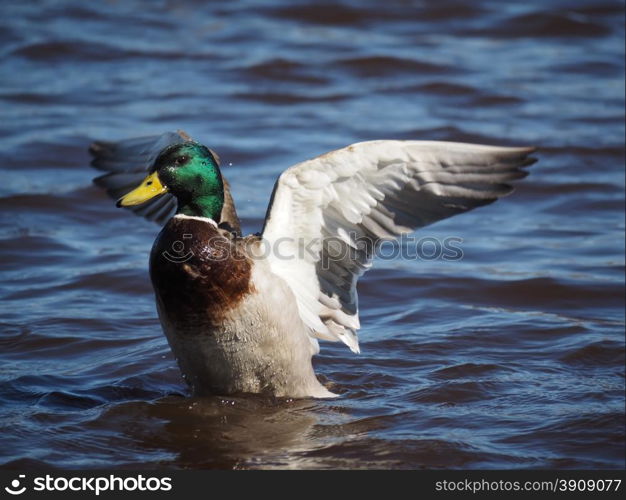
<point x="512" y="357"/>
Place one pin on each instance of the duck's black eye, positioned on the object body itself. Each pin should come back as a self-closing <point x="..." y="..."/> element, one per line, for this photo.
<point x="181" y="160"/>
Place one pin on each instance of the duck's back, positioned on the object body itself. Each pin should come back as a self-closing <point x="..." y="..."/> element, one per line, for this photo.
<point x="232" y="324"/>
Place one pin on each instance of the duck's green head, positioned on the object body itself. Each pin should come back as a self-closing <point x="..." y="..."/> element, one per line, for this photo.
<point x="189" y="171"/>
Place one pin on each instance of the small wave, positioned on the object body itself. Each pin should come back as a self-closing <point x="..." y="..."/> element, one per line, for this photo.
<point x="20" y="464"/>
<point x="282" y="70"/>
<point x="452" y="393"/>
<point x="454" y="134"/>
<point x="59" y="400"/>
<point x="45" y="51"/>
<point x="580" y="439"/>
<point x="602" y="353"/>
<point x="589" y="67"/>
<point x="546" y="24"/>
<point x="80" y="50"/>
<point x="286" y="98"/>
<point x="497" y="100"/>
<point x="335" y="14"/>
<point x="405" y="453"/>
<point x="327" y="13"/>
<point x="390" y="65"/>
<point x="468" y="370"/>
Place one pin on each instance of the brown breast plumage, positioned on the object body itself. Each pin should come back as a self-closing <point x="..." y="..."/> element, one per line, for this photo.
<point x="198" y="272"/>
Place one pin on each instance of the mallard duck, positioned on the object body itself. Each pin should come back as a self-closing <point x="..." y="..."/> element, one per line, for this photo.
<point x="245" y="314"/>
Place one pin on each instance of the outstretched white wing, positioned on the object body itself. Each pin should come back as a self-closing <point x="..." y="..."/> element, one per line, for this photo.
<point x="328" y="214"/>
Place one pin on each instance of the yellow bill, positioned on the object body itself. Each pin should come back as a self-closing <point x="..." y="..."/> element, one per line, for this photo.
<point x="149" y="188"/>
